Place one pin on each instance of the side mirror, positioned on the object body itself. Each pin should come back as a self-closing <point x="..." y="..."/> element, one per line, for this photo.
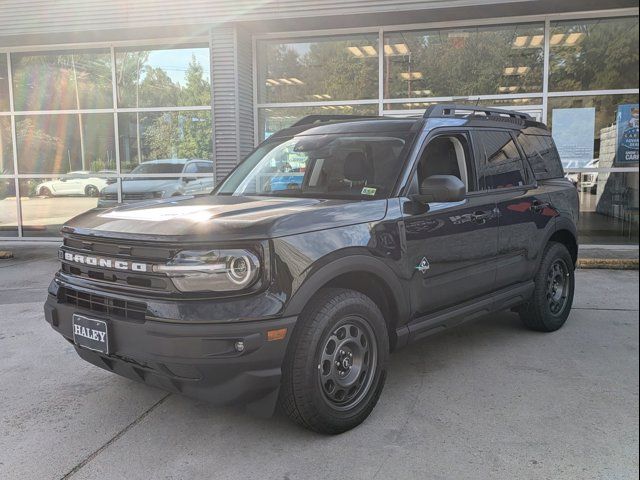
<point x="441" y="189"/>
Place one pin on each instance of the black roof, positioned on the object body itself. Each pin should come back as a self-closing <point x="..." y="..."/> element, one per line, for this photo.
<point x="478" y="116"/>
<point x="350" y="124"/>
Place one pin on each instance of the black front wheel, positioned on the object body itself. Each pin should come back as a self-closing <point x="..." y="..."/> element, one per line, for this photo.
<point x="335" y="366"/>
<point x="552" y="298"/>
<point x="91" y="191"/>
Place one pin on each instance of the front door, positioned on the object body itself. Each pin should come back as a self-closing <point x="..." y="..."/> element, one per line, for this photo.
<point x="451" y="248"/>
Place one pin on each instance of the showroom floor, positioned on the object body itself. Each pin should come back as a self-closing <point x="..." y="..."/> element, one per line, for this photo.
<point x="485" y="400"/>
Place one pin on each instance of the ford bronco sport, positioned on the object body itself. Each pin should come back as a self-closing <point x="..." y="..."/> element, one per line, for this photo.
<point x="293" y="292"/>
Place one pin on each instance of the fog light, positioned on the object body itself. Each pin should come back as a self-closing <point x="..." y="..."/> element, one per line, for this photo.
<point x="239" y="346"/>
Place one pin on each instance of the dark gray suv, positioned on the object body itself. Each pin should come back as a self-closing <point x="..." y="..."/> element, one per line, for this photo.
<point x="336" y="242"/>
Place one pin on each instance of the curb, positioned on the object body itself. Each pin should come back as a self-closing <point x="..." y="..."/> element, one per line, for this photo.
<point x="608" y="263"/>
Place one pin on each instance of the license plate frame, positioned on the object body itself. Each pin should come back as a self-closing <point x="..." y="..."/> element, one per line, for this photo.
<point x="90" y="333"/>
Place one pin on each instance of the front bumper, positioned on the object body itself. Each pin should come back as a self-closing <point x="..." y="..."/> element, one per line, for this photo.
<point x="196" y="359"/>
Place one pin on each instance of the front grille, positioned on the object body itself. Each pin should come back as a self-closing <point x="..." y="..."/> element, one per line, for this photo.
<point x="105" y="305"/>
<point x="150" y="253"/>
<point x="151" y="282"/>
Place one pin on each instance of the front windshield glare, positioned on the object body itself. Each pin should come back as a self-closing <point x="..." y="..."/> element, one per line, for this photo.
<point x="325" y="166"/>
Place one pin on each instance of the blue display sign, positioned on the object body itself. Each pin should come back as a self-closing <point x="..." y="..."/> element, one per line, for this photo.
<point x="627" y="121"/>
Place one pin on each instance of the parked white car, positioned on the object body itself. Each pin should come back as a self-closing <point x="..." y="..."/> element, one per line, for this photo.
<point x="74" y="183"/>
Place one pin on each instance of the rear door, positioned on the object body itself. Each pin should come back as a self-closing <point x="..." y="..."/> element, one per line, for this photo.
<point x="451" y="248"/>
<point x="524" y="210"/>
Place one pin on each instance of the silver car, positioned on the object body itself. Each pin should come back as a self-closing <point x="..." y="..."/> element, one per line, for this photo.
<point x="146" y="188"/>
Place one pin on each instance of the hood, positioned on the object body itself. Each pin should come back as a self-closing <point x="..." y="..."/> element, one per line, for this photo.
<point x="143" y="185"/>
<point x="223" y="218"/>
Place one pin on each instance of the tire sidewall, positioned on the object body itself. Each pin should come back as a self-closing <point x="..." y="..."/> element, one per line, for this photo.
<point x="366" y="311"/>
<point x="553" y="322"/>
<point x="91" y="191"/>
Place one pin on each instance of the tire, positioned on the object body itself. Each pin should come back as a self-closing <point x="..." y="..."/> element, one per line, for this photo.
<point x="337" y="317"/>
<point x="44" y="192"/>
<point x="91" y="191"/>
<point x="549" y="307"/>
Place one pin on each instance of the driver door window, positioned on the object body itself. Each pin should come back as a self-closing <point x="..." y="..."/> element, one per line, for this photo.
<point x="447" y="155"/>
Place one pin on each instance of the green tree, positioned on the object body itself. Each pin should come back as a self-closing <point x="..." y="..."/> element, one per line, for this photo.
<point x="197" y="90"/>
<point x="183" y="134"/>
<point x="605" y="57"/>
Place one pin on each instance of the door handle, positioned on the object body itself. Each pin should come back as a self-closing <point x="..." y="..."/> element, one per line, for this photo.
<point x="537" y="206"/>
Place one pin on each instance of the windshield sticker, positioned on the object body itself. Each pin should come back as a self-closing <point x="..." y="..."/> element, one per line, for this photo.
<point x="368" y="191"/>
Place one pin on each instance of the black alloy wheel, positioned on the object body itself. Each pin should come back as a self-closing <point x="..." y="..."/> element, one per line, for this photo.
<point x="347" y="363"/>
<point x="91" y="191"/>
<point x="549" y="306"/>
<point x="557" y="286"/>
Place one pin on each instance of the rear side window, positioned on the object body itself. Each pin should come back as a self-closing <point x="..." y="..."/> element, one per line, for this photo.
<point x="204" y="167"/>
<point x="542" y="155"/>
<point x="501" y="165"/>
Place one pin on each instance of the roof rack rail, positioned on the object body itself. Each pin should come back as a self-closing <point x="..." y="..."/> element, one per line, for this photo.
<point x="449" y="110"/>
<point x="311" y="119"/>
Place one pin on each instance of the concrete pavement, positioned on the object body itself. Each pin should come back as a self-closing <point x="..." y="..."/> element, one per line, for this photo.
<point x="485" y="400"/>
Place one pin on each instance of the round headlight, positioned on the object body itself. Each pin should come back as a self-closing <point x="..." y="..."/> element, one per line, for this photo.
<point x="212" y="270"/>
<point x="240" y="270"/>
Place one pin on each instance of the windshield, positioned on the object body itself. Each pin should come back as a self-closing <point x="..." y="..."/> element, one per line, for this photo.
<point x="326" y="166"/>
<point x="164" y="167"/>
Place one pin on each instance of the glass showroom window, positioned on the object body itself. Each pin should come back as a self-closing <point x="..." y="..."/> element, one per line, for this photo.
<point x="8" y="205"/>
<point x="6" y="146"/>
<point x="66" y="124"/>
<point x="73" y="156"/>
<point x="8" y="202"/>
<point x="163" y="77"/>
<point x="164" y="123"/>
<point x="150" y="136"/>
<point x="596" y="137"/>
<point x="156" y="79"/>
<point x="4" y="84"/>
<point x="464" y="61"/>
<point x="272" y="119"/>
<point x="318" y="69"/>
<point x="599" y="54"/>
<point x="70" y="155"/>
<point x="66" y="80"/>
<point x="64" y="143"/>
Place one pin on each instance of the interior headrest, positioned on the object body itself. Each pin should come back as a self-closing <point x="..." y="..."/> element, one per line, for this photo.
<point x="355" y="167"/>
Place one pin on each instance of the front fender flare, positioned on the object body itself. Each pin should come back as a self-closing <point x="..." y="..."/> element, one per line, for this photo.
<point x="348" y="264"/>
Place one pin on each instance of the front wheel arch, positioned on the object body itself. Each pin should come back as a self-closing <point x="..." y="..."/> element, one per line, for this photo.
<point x="363" y="274"/>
